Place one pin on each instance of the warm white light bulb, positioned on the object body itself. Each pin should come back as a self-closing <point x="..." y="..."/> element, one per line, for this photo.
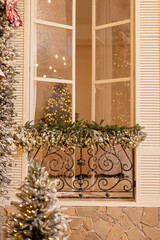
<point x="56" y="56"/>
<point x="50" y="67"/>
<point x="55" y="70"/>
<point x="65" y="63"/>
<point x="49" y="1"/>
<point x="63" y="58"/>
<point x="37" y="65"/>
<point x="44" y="76"/>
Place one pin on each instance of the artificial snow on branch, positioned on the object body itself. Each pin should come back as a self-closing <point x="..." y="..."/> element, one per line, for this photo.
<point x="60" y="134"/>
<point x="7" y="112"/>
<point x="40" y="216"/>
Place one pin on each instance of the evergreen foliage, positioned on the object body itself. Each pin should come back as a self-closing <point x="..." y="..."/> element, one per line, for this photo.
<point x="39" y="215"/>
<point x="80" y="134"/>
<point x="59" y="104"/>
<point x="7" y="56"/>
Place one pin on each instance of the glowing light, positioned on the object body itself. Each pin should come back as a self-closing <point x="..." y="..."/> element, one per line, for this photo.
<point x="63" y="58"/>
<point x="56" y="56"/>
<point x="55" y="70"/>
<point x="49" y="1"/>
<point x="37" y="65"/>
<point x="65" y="63"/>
<point x="44" y="76"/>
<point x="50" y="67"/>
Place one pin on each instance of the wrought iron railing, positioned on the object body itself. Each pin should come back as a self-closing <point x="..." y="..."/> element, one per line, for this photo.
<point x="90" y="172"/>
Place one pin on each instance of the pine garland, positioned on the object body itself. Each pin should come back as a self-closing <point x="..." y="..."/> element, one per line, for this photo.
<point x="80" y="134"/>
<point x="7" y="112"/>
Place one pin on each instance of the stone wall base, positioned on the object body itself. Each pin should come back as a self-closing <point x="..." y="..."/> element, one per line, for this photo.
<point x="113" y="223"/>
<point x="106" y="223"/>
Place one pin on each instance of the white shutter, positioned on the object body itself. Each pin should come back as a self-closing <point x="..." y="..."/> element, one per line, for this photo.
<point x="16" y="171"/>
<point x="148" y="100"/>
<point x="19" y="42"/>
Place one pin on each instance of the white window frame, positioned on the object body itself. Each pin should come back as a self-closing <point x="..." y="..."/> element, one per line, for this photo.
<point x="33" y="78"/>
<point x="131" y="78"/>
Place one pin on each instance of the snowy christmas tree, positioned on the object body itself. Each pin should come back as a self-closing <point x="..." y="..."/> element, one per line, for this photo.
<point x="7" y="57"/>
<point x="39" y="215"/>
<point x="59" y="104"/>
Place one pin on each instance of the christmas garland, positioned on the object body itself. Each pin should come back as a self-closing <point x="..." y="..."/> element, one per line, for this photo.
<point x="79" y="134"/>
<point x="8" y="20"/>
<point x="7" y="55"/>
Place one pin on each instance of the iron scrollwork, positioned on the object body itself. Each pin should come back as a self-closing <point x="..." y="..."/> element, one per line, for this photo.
<point x="90" y="173"/>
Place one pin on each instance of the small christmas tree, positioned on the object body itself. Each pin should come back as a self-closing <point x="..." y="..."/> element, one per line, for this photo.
<point x="59" y="104"/>
<point x="39" y="215"/>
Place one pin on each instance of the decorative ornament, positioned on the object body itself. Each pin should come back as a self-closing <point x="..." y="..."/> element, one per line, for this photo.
<point x="12" y="14"/>
<point x="2" y="74"/>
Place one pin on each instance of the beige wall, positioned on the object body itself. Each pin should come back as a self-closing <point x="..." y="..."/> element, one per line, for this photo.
<point x="83" y="58"/>
<point x="83" y="81"/>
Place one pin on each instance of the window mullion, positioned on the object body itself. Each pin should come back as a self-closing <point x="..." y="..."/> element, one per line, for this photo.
<point x="73" y="59"/>
<point x="112" y="24"/>
<point x="93" y="58"/>
<point x="113" y="80"/>
<point x="32" y="61"/>
<point x="54" y="80"/>
<point x="132" y="66"/>
<point x="53" y="24"/>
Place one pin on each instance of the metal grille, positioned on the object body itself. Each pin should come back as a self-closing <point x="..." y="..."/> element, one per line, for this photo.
<point x="90" y="173"/>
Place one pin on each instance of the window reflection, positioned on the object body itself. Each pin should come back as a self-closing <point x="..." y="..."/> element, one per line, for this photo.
<point x="113" y="103"/>
<point x="53" y="102"/>
<point x="58" y="11"/>
<point x="108" y="11"/>
<point x="54" y="52"/>
<point x="113" y="52"/>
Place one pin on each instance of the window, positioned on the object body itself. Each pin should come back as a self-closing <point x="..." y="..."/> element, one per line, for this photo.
<point x="89" y="51"/>
<point x="53" y="54"/>
<point x="148" y="153"/>
<point x="113" y="49"/>
<point x="68" y="44"/>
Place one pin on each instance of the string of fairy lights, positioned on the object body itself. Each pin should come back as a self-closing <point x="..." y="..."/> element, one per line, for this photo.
<point x="63" y="59"/>
<point x="121" y="69"/>
<point x="59" y="105"/>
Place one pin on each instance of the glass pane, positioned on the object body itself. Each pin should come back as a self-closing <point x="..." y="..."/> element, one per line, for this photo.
<point x="113" y="103"/>
<point x="53" y="101"/>
<point x="108" y="11"/>
<point x="54" y="52"/>
<point x="59" y="11"/>
<point x="113" y="52"/>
